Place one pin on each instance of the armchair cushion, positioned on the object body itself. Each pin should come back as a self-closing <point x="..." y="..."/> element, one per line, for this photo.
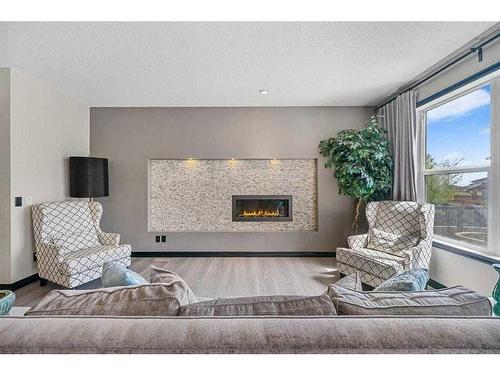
<point x="389" y="242"/>
<point x="76" y="241"/>
<point x="372" y="261"/>
<point x="59" y="219"/>
<point x="86" y="259"/>
<point x="402" y="218"/>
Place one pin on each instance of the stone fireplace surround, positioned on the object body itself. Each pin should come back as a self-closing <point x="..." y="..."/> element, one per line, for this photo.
<point x="196" y="194"/>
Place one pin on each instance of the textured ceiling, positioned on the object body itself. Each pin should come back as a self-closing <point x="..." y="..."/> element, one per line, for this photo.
<point x="225" y="64"/>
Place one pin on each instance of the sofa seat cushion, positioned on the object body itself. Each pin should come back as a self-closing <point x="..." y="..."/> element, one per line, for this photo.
<point x="136" y="300"/>
<point x="372" y="261"/>
<point x="94" y="257"/>
<point x="456" y="301"/>
<point x="261" y="305"/>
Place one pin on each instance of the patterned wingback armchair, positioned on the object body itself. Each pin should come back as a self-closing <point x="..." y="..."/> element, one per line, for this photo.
<point x="70" y="246"/>
<point x="399" y="239"/>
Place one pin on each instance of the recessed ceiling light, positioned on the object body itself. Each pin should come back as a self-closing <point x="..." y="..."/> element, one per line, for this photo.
<point x="263" y="92"/>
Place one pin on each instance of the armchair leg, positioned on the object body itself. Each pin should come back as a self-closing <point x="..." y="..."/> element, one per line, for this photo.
<point x="43" y="282"/>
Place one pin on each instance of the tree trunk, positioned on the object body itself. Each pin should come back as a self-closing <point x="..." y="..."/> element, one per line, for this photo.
<point x="356" y="216"/>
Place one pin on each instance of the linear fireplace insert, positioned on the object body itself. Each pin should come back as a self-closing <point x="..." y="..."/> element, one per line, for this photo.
<point x="262" y="208"/>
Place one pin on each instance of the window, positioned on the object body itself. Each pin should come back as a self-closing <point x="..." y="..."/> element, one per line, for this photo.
<point x="456" y="167"/>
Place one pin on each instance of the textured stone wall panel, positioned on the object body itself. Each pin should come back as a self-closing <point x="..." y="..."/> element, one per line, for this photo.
<point x="196" y="195"/>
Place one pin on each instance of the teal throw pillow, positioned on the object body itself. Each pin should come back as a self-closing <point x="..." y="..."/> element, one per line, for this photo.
<point x="117" y="275"/>
<point x="408" y="281"/>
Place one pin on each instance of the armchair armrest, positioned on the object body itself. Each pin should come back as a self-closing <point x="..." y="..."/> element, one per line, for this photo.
<point x="109" y="239"/>
<point x="49" y="250"/>
<point x="359" y="241"/>
<point x="420" y="254"/>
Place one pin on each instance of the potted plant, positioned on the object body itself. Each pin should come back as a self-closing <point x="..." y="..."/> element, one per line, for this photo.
<point x="362" y="163"/>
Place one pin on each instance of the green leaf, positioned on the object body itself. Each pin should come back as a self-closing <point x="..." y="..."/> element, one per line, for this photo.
<point x="361" y="160"/>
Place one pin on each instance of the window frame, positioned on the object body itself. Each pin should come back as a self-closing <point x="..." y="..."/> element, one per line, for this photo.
<point x="492" y="169"/>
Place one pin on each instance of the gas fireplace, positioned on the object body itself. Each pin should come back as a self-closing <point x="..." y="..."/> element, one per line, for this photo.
<point x="262" y="208"/>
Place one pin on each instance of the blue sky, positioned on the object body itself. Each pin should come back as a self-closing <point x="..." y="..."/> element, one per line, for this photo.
<point x="460" y="129"/>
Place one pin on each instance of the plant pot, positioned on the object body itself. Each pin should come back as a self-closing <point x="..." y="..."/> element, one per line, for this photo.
<point x="7" y="299"/>
<point x="496" y="292"/>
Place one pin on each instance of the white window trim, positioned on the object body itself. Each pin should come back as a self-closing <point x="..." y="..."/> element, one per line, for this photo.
<point x="493" y="170"/>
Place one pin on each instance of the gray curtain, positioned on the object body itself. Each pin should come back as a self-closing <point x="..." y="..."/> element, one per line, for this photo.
<point x="399" y="118"/>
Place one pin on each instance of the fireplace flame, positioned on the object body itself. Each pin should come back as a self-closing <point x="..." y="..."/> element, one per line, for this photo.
<point x="260" y="213"/>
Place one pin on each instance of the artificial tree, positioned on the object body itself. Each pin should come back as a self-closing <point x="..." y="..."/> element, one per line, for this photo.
<point x="362" y="162"/>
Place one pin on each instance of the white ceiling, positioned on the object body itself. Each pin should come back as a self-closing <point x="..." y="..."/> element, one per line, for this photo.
<point x="225" y="64"/>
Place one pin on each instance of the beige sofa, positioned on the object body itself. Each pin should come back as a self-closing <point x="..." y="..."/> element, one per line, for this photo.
<point x="120" y="320"/>
<point x="319" y="334"/>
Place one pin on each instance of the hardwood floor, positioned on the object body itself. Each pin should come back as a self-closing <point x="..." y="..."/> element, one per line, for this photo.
<point x="225" y="277"/>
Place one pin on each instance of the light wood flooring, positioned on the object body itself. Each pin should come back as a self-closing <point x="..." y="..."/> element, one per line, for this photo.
<point x="225" y="276"/>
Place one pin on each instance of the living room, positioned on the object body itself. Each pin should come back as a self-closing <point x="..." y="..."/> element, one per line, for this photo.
<point x="218" y="181"/>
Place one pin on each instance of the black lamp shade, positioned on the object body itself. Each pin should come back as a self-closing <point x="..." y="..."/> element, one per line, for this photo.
<point x="88" y="177"/>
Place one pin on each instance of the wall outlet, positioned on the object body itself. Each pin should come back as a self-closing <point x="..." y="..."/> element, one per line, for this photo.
<point x="18" y="202"/>
<point x="163" y="238"/>
<point x="158" y="238"/>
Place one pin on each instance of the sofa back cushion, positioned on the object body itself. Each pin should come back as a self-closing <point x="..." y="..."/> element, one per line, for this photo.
<point x="137" y="300"/>
<point x="261" y="305"/>
<point x="456" y="301"/>
<point x="176" y="283"/>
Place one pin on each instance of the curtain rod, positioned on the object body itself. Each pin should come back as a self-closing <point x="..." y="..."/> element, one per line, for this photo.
<point x="471" y="51"/>
<point x="457" y="85"/>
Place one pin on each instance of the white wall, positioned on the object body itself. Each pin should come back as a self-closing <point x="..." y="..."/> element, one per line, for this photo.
<point x="449" y="268"/>
<point x="4" y="176"/>
<point x="453" y="269"/>
<point x="45" y="128"/>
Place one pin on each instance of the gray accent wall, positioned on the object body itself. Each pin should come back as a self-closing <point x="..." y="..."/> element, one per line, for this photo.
<point x="129" y="137"/>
